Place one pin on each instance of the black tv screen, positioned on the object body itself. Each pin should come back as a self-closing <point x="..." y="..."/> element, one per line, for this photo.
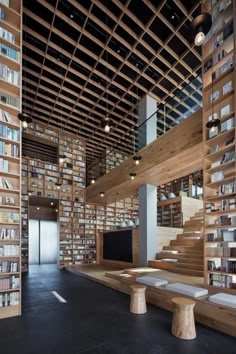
<point x="117" y="246"/>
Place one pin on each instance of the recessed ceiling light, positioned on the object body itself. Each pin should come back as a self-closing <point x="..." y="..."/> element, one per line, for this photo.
<point x="52" y="203"/>
<point x="38" y="208"/>
<point x="172" y="17"/>
<point x="71" y="15"/>
<point x="118" y="50"/>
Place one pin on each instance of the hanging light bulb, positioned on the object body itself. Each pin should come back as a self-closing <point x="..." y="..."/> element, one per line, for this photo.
<point x="102" y="194"/>
<point x="58" y="185"/>
<point x="200" y="27"/>
<point x="93" y="181"/>
<point x="25" y="119"/>
<point x="137" y="159"/>
<point x="132" y="175"/>
<point x="107" y="122"/>
<point x="199" y="39"/>
<point x="107" y="128"/>
<point x="62" y="158"/>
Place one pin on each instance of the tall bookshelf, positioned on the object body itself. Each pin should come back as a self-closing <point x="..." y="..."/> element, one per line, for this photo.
<point x="10" y="158"/>
<point x="79" y="221"/>
<point x="219" y="147"/>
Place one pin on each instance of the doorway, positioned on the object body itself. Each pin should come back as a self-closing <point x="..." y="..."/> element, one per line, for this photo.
<point x="43" y="242"/>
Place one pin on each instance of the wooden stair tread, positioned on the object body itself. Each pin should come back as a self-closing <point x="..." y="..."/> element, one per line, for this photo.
<point x="197" y="273"/>
<point x="188" y="265"/>
<point x="186" y="256"/>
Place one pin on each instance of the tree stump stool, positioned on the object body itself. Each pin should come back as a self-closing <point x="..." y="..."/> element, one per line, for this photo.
<point x="183" y="325"/>
<point x="137" y="299"/>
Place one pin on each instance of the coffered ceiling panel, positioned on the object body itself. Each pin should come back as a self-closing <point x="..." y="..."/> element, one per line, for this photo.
<point x="85" y="60"/>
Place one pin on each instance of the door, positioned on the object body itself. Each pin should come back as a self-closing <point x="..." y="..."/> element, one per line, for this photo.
<point x="43" y="244"/>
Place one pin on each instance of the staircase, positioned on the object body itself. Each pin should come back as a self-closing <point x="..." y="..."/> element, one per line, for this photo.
<point x="185" y="254"/>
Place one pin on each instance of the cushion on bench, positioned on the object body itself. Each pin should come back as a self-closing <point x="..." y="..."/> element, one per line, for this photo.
<point x="223" y="299"/>
<point x="151" y="281"/>
<point x="187" y="289"/>
<point x="173" y="260"/>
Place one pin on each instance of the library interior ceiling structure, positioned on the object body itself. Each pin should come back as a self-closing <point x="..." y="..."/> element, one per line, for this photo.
<point x="85" y="61"/>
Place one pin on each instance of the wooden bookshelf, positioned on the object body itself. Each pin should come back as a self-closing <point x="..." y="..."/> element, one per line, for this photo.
<point x="219" y="148"/>
<point x="10" y="160"/>
<point x="79" y="221"/>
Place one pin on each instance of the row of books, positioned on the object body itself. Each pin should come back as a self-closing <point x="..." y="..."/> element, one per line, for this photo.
<point x="4" y="165"/>
<point x="9" y="299"/>
<point x="9" y="217"/>
<point x="9" y="133"/>
<point x="5" y="116"/>
<point x="221" y="280"/>
<point x="9" y="250"/>
<point x="222" y="69"/>
<point x="228" y="265"/>
<point x="225" y="89"/>
<point x="5" y="183"/>
<point x="224" y="126"/>
<point x="226" y="220"/>
<point x="222" y="235"/>
<point x="10" y="100"/>
<point x="9" y="234"/>
<point x="8" y="267"/>
<point x="8" y="36"/>
<point x="9" y="52"/>
<point x="223" y="35"/>
<point x="227" y="188"/>
<point x="11" y="282"/>
<point x="214" y="60"/>
<point x="222" y="251"/>
<point x="221" y="205"/>
<point x="223" y="4"/>
<point x="11" y="150"/>
<point x="9" y="75"/>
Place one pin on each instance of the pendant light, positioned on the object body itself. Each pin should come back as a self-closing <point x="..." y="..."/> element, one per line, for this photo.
<point x="213" y="120"/>
<point x="137" y="159"/>
<point x="201" y="26"/>
<point x="132" y="175"/>
<point x="24" y="117"/>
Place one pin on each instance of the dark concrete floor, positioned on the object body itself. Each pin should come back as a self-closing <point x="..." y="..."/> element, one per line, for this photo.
<point x="95" y="320"/>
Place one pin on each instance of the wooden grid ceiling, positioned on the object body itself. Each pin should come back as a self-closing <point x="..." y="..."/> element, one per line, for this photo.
<point x="84" y="60"/>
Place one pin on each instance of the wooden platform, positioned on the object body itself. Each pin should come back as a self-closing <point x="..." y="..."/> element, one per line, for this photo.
<point x="216" y="316"/>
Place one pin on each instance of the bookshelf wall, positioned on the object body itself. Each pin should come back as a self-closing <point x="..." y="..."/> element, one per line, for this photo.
<point x="79" y="221"/>
<point x="99" y="167"/>
<point x="219" y="147"/>
<point x="10" y="158"/>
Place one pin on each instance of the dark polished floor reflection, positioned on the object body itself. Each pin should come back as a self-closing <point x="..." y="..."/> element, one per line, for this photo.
<point x="95" y="320"/>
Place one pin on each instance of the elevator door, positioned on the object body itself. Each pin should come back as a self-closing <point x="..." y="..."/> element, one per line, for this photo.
<point x="43" y="242"/>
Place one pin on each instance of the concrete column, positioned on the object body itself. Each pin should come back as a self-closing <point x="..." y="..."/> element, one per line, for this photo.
<point x="147" y="193"/>
<point x="148" y="131"/>
<point x="147" y="223"/>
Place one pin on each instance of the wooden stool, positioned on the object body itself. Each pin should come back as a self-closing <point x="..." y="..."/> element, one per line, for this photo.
<point x="183" y="325"/>
<point x="137" y="300"/>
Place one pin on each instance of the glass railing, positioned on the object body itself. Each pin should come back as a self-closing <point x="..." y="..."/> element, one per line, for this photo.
<point x="177" y="108"/>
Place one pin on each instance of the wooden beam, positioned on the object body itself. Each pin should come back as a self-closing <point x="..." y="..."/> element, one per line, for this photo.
<point x="175" y="154"/>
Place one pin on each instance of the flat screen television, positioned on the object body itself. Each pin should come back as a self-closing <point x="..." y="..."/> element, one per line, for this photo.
<point x="117" y="246"/>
